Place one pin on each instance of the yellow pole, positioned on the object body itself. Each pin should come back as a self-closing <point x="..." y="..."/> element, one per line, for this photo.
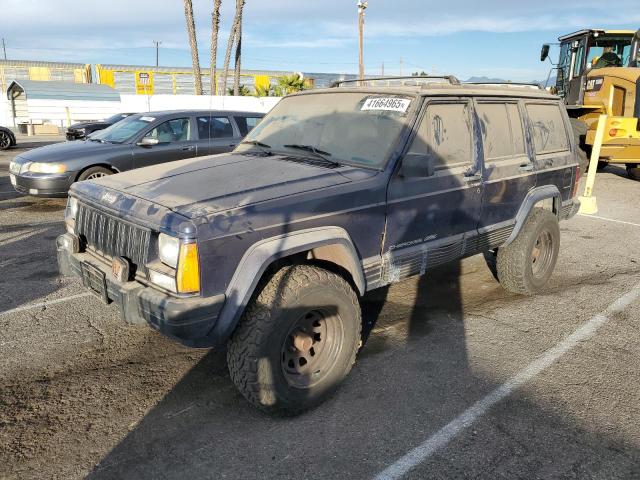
<point x="588" y="203"/>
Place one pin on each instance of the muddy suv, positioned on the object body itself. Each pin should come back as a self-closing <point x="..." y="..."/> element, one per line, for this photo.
<point x="268" y="249"/>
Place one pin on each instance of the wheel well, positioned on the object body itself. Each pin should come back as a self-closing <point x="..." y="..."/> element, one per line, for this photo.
<point x="104" y="165"/>
<point x="551" y="204"/>
<point x="332" y="257"/>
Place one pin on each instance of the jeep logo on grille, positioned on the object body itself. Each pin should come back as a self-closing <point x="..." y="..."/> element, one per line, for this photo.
<point x="109" y="197"/>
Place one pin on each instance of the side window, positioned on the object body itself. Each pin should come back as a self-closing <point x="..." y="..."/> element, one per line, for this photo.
<point x="246" y="124"/>
<point x="204" y="127"/>
<point x="577" y="67"/>
<point x="221" y="127"/>
<point x="517" y="132"/>
<point x="445" y="131"/>
<point x="502" y="133"/>
<point x="549" y="133"/>
<point x="176" y="130"/>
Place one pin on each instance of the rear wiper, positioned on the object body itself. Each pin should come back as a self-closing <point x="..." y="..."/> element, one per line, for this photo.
<point x="263" y="146"/>
<point x="321" y="154"/>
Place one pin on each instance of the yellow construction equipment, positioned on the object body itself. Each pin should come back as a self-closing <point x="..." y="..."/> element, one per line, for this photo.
<point x="598" y="73"/>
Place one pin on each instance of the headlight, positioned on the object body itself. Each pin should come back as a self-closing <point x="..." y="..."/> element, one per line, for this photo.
<point x="183" y="258"/>
<point x="47" y="167"/>
<point x="14" y="167"/>
<point x="169" y="250"/>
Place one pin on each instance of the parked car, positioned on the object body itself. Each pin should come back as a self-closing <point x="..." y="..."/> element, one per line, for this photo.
<point x="337" y="192"/>
<point x="78" y="131"/>
<point x="7" y="138"/>
<point x="137" y="141"/>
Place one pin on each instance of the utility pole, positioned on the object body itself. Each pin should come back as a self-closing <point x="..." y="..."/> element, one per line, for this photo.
<point x="401" y="64"/>
<point x="362" y="6"/>
<point x="382" y="70"/>
<point x="157" y="44"/>
<point x="4" y="49"/>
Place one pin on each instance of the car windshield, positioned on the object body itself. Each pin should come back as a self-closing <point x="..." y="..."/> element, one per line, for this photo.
<point x="349" y="128"/>
<point x="123" y="130"/>
<point x="116" y="118"/>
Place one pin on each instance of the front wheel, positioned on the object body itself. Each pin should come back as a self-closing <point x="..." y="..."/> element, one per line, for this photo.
<point x="526" y="264"/>
<point x="93" y="173"/>
<point x="633" y="170"/>
<point x="5" y="140"/>
<point x="296" y="341"/>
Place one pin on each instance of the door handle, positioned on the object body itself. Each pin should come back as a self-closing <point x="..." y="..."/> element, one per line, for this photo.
<point x="188" y="148"/>
<point x="233" y="145"/>
<point x="526" y="167"/>
<point x="473" y="178"/>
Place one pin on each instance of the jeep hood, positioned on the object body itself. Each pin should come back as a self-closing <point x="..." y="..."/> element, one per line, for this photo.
<point x="207" y="185"/>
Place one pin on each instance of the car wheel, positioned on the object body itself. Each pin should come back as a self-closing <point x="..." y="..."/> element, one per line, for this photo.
<point x="93" y="173"/>
<point x="296" y="341"/>
<point x="633" y="170"/>
<point x="5" y="140"/>
<point x="526" y="264"/>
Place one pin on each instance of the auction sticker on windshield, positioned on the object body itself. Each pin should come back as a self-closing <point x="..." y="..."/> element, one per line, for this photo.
<point x="386" y="103"/>
<point x="147" y="119"/>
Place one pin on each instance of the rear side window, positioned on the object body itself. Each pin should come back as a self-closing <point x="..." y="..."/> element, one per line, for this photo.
<point x="549" y="134"/>
<point x="246" y="124"/>
<point x="501" y="130"/>
<point x="214" y="127"/>
<point x="445" y="132"/>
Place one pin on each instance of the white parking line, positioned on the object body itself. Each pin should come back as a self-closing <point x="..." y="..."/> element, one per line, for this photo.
<point x="610" y="219"/>
<point x="44" y="304"/>
<point x="441" y="438"/>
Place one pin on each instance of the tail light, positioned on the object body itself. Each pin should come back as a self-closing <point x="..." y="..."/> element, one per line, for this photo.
<point x="576" y="181"/>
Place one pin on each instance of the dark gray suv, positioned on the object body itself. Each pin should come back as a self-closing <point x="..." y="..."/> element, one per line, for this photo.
<point x="337" y="192"/>
<point x="137" y="141"/>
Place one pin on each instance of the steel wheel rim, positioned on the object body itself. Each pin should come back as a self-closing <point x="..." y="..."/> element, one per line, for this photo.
<point x="4" y="140"/>
<point x="310" y="348"/>
<point x="96" y="175"/>
<point x="541" y="254"/>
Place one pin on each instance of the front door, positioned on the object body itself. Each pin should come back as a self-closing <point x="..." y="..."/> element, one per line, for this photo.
<point x="508" y="166"/>
<point x="175" y="142"/>
<point x="430" y="219"/>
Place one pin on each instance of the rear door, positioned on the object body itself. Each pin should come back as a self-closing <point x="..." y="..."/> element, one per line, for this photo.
<point x="430" y="219"/>
<point x="176" y="141"/>
<point x="224" y="134"/>
<point x="509" y="168"/>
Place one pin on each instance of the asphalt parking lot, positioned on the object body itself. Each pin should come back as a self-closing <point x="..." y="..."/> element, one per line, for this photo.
<point x="459" y="379"/>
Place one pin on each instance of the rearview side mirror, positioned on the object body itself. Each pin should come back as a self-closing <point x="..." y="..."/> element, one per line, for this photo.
<point x="417" y="165"/>
<point x="148" y="142"/>
<point x="544" y="53"/>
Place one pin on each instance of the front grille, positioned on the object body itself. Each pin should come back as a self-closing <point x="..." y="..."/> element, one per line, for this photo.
<point x="112" y="237"/>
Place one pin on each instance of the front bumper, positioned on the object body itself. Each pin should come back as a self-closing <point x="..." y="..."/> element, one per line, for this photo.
<point x="44" y="185"/>
<point x="74" y="135"/>
<point x="188" y="320"/>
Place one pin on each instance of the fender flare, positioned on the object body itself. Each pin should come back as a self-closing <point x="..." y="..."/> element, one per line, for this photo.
<point x="533" y="196"/>
<point x="260" y="255"/>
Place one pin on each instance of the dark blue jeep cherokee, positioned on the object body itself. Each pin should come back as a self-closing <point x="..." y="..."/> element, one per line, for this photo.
<point x="268" y="249"/>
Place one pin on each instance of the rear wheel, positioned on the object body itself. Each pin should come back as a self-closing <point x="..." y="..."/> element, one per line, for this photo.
<point x="93" y="173"/>
<point x="526" y="264"/>
<point x="296" y="341"/>
<point x="633" y="170"/>
<point x="5" y="140"/>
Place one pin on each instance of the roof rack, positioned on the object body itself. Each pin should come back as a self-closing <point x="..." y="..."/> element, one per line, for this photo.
<point x="412" y="81"/>
<point x="537" y="86"/>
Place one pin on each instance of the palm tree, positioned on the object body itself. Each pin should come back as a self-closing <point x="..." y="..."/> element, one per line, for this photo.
<point x="233" y="35"/>
<point x="215" y="26"/>
<point x="193" y="43"/>
<point x="236" y="76"/>
<point x="290" y="84"/>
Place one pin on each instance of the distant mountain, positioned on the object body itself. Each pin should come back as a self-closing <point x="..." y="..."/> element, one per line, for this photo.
<point x="552" y="80"/>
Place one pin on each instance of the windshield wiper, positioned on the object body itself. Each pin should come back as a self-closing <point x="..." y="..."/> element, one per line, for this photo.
<point x="263" y="146"/>
<point x="321" y="154"/>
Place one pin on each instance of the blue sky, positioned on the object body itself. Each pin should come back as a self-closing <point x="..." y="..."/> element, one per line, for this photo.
<point x="496" y="38"/>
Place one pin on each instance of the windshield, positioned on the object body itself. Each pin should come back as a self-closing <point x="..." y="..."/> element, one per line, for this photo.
<point x="117" y="118"/>
<point x="123" y="130"/>
<point x="349" y="128"/>
<point x="609" y="51"/>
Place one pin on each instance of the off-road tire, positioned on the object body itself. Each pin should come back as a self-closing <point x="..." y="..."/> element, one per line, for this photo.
<point x="256" y="350"/>
<point x="94" y="172"/>
<point x="633" y="170"/>
<point x="515" y="265"/>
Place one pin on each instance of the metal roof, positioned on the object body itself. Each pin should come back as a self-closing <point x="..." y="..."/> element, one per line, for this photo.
<point x="55" y="90"/>
<point x="595" y="30"/>
<point x="38" y="63"/>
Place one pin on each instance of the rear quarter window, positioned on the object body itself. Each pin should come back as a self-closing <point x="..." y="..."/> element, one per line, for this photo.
<point x="548" y="128"/>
